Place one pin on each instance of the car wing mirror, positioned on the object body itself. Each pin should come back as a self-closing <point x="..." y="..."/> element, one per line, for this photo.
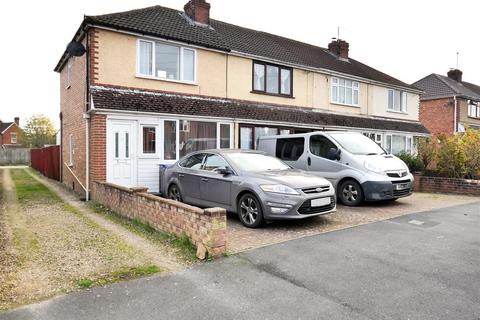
<point x="334" y="154"/>
<point x="224" y="171"/>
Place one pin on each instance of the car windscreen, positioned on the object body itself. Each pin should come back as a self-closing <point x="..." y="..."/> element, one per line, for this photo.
<point x="256" y="162"/>
<point x="357" y="143"/>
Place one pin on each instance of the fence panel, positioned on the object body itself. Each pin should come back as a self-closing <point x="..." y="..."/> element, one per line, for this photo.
<point x="47" y="161"/>
<point x="14" y="156"/>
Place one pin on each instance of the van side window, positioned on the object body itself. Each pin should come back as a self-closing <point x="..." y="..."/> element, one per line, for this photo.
<point x="320" y="145"/>
<point x="289" y="149"/>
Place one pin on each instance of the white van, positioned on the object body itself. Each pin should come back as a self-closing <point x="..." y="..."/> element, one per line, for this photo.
<point x="357" y="167"/>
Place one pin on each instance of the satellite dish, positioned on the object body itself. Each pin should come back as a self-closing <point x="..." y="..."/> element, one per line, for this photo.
<point x="76" y="49"/>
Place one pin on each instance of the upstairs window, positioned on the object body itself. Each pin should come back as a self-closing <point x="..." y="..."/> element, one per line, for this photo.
<point x="164" y="61"/>
<point x="397" y="101"/>
<point x="272" y="79"/>
<point x="473" y="109"/>
<point x="13" y="138"/>
<point x="345" y="91"/>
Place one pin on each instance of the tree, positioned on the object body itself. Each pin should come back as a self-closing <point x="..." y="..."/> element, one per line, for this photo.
<point x="427" y="150"/>
<point x="471" y="146"/>
<point x="38" y="132"/>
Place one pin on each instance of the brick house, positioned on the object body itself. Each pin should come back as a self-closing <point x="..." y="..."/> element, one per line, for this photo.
<point x="10" y="134"/>
<point x="448" y="104"/>
<point x="157" y="83"/>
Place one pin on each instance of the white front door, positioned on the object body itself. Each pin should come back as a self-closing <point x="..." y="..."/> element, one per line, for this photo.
<point x="121" y="149"/>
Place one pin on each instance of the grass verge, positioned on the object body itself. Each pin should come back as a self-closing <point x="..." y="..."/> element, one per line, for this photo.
<point x="185" y="249"/>
<point x="120" y="275"/>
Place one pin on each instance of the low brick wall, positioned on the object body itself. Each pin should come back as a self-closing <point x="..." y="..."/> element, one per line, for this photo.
<point x="447" y="185"/>
<point x="205" y="227"/>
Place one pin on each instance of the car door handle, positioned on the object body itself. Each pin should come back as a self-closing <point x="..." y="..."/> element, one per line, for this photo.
<point x="181" y="175"/>
<point x="309" y="161"/>
<point x="204" y="179"/>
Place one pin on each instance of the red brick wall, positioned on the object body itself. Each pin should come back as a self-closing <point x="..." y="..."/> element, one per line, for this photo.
<point x="6" y="137"/>
<point x="437" y="115"/>
<point x="206" y="228"/>
<point x="72" y="106"/>
<point x="447" y="185"/>
<point x="98" y="148"/>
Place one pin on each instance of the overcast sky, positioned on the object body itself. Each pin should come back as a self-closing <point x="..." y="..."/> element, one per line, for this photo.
<point x="406" y="39"/>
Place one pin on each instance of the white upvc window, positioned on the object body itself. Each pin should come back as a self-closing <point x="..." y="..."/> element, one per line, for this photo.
<point x="13" y="137"/>
<point x="71" y="150"/>
<point x="473" y="109"/>
<point x="345" y="92"/>
<point x="397" y="101"/>
<point x="165" y="61"/>
<point x="395" y="143"/>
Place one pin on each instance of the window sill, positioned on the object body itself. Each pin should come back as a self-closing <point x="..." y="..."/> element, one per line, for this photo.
<point x="148" y="156"/>
<point x="194" y="83"/>
<point x="399" y="112"/>
<point x="273" y="94"/>
<point x="345" y="104"/>
<point x="474" y="118"/>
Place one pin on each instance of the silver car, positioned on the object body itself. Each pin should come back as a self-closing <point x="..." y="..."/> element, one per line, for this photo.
<point x="253" y="184"/>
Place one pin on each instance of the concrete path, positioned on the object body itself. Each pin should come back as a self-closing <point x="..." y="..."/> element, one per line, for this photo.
<point x="421" y="266"/>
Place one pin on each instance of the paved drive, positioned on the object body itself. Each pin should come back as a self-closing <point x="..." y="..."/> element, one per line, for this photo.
<point x="421" y="266"/>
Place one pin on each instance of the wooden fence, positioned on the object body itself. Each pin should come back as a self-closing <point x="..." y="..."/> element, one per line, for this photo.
<point x="14" y="156"/>
<point x="47" y="161"/>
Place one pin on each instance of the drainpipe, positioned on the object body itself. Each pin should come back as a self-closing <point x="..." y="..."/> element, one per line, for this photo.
<point x="455" y="115"/>
<point x="87" y="117"/>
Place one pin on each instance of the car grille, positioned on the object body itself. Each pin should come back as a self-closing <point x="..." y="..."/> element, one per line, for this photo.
<point x="401" y="193"/>
<point x="316" y="189"/>
<point x="401" y="181"/>
<point x="397" y="174"/>
<point x="306" y="208"/>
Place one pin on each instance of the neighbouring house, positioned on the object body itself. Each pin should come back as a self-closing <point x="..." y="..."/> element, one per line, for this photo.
<point x="157" y="83"/>
<point x="10" y="134"/>
<point x="449" y="104"/>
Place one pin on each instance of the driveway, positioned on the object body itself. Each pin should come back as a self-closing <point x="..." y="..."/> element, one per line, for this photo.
<point x="420" y="266"/>
<point x="240" y="238"/>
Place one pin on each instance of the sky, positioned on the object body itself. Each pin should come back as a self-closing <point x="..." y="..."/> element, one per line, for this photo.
<point x="405" y="39"/>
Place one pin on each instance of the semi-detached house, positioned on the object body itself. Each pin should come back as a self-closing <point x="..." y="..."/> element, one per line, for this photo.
<point x="157" y="83"/>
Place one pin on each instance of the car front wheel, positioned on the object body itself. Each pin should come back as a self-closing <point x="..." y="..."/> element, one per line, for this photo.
<point x="174" y="193"/>
<point x="250" y="211"/>
<point x="350" y="193"/>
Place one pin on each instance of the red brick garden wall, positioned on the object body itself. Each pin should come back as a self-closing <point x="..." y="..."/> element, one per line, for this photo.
<point x="206" y="228"/>
<point x="447" y="185"/>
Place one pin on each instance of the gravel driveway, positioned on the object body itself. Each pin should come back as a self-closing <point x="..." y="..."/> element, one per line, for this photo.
<point x="240" y="238"/>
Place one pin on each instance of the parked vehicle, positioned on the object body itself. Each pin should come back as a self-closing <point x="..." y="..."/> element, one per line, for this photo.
<point x="253" y="184"/>
<point x="358" y="168"/>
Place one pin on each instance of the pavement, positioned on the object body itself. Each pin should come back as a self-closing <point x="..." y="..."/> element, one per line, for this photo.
<point x="419" y="266"/>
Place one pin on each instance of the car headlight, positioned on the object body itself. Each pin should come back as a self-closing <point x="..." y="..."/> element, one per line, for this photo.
<point x="371" y="167"/>
<point x="278" y="188"/>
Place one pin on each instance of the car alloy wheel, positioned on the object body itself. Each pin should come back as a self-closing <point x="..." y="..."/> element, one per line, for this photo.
<point x="174" y="193"/>
<point x="350" y="193"/>
<point x="250" y="211"/>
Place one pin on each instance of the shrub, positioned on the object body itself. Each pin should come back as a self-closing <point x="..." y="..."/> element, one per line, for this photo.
<point x="451" y="157"/>
<point x="414" y="163"/>
<point x="427" y="150"/>
<point x="470" y="141"/>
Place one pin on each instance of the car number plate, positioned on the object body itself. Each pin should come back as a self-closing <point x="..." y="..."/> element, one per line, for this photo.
<point x="320" y="202"/>
<point x="401" y="186"/>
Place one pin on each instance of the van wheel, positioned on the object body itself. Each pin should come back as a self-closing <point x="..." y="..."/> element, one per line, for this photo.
<point x="350" y="193"/>
<point x="250" y="211"/>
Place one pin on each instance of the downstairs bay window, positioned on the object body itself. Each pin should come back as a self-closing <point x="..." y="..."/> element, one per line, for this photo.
<point x="164" y="61"/>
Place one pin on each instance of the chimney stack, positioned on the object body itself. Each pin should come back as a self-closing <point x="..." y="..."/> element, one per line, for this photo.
<point x="198" y="11"/>
<point x="17" y="121"/>
<point x="339" y="48"/>
<point x="455" y="74"/>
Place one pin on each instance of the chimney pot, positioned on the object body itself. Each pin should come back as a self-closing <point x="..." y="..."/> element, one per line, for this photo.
<point x="198" y="11"/>
<point x="339" y="48"/>
<point x="455" y="74"/>
<point x="17" y="120"/>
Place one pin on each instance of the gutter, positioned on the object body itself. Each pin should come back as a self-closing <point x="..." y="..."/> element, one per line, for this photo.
<point x="455" y="126"/>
